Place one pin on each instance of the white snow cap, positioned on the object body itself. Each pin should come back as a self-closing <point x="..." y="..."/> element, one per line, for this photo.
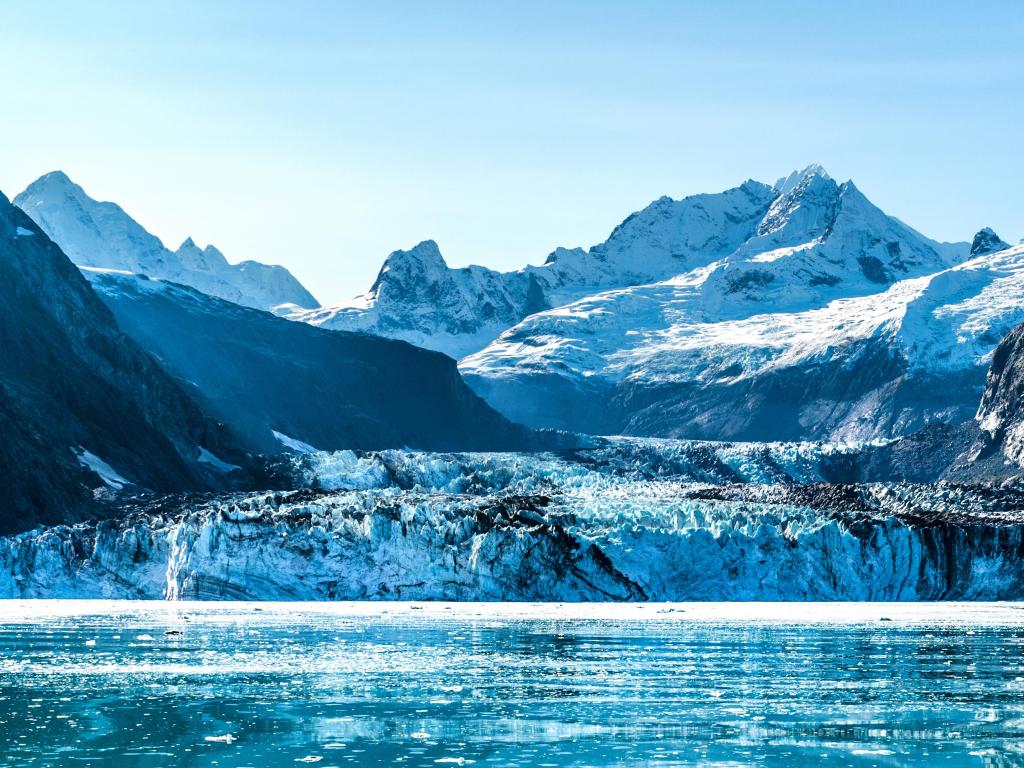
<point x="99" y="234"/>
<point x="787" y="183"/>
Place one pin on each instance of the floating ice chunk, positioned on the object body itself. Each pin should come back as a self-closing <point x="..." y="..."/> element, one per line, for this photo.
<point x="226" y="738"/>
<point x="22" y="232"/>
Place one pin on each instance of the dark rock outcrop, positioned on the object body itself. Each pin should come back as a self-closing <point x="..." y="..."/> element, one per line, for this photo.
<point x="987" y="241"/>
<point x="1001" y="414"/>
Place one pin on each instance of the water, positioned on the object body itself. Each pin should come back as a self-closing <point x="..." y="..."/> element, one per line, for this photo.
<point x="510" y="685"/>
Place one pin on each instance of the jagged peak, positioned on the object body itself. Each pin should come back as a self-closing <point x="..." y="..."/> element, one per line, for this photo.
<point x="425" y="252"/>
<point x="805" y="199"/>
<point x="202" y="258"/>
<point x="987" y="241"/>
<point x="796" y="178"/>
<point x="561" y="253"/>
<point x="421" y="262"/>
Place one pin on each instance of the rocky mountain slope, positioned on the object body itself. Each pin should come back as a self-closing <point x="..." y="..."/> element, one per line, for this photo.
<point x="1001" y="414"/>
<point x="84" y="411"/>
<point x="102" y="235"/>
<point x="280" y="384"/>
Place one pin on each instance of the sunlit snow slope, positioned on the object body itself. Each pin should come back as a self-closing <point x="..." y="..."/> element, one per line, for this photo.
<point x="96" y="234"/>
<point x="793" y="311"/>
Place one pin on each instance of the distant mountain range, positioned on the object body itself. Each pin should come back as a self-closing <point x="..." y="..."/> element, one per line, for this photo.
<point x="791" y="311"/>
<point x="102" y="235"/>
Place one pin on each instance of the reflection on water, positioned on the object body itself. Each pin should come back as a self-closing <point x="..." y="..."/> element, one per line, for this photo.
<point x="122" y="684"/>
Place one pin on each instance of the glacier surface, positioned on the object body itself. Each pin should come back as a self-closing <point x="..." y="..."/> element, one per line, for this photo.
<point x="623" y="520"/>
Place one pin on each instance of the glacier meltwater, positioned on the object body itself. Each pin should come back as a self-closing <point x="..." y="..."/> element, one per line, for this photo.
<point x="140" y="684"/>
<point x="623" y="520"/>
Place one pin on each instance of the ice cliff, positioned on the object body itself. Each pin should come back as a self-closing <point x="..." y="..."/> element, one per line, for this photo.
<point x="599" y="524"/>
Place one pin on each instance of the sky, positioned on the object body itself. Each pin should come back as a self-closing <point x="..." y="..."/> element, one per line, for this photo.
<point x="324" y="135"/>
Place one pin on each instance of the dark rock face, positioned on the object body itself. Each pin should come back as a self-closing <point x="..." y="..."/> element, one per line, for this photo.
<point x="330" y="389"/>
<point x="71" y="381"/>
<point x="987" y="241"/>
<point x="1001" y="414"/>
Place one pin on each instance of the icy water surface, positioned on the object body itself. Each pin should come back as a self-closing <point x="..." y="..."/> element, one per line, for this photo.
<point x="240" y="684"/>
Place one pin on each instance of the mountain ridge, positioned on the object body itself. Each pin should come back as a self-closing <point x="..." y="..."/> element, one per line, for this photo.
<point x="102" y="235"/>
<point x="284" y="386"/>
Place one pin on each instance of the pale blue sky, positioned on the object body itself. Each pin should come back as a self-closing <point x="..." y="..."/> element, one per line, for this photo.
<point x="322" y="135"/>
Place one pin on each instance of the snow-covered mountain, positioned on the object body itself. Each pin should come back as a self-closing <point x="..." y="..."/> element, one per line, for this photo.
<point x="798" y="310"/>
<point x="680" y="358"/>
<point x="418" y="298"/>
<point x="102" y="235"/>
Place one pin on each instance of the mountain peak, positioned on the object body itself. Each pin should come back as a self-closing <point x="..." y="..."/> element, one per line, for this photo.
<point x="55" y="177"/>
<point x="54" y="182"/>
<point x="187" y="244"/>
<point x="422" y="264"/>
<point x="426" y="248"/>
<point x="805" y="207"/>
<point x="987" y="241"/>
<point x="425" y="253"/>
<point x="796" y="178"/>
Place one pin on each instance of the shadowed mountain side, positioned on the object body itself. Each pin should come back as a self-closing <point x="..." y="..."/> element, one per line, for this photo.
<point x="315" y="388"/>
<point x="82" y="408"/>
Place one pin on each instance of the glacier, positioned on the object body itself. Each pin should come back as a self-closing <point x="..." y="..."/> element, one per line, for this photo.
<point x="624" y="519"/>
